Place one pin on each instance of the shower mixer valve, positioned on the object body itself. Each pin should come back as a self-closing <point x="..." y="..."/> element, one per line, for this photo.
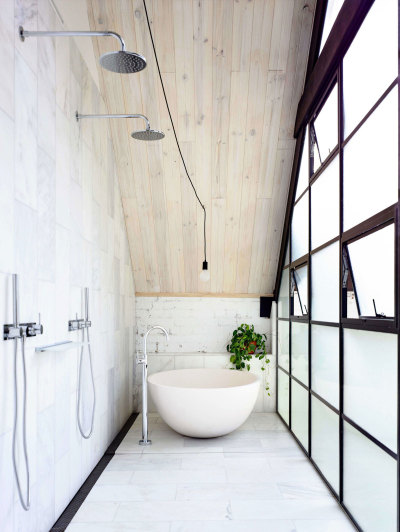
<point x="12" y="331"/>
<point x="78" y="323"/>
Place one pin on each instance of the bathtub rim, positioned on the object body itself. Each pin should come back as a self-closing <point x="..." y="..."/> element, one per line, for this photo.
<point x="256" y="381"/>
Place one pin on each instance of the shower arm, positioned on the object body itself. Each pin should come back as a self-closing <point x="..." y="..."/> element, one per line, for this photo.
<point x="79" y="117"/>
<point x="24" y="33"/>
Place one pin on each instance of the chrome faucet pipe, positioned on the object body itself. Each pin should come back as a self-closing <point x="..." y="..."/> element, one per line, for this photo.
<point x="79" y="117"/>
<point x="145" y="440"/>
<point x="15" y="300"/>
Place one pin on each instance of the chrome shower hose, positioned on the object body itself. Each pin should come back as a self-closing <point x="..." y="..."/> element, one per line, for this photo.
<point x="24" y="502"/>
<point x="78" y="405"/>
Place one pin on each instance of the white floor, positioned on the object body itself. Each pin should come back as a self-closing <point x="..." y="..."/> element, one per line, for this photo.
<point x="253" y="480"/>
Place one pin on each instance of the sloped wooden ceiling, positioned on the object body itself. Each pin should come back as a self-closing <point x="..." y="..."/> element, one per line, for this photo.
<point x="234" y="73"/>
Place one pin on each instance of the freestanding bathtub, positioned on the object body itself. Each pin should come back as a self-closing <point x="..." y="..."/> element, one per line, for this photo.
<point x="204" y="403"/>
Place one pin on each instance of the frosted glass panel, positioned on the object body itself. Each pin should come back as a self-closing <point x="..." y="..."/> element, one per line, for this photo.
<point x="324" y="130"/>
<point x="300" y="413"/>
<point x="370" y="376"/>
<point x="370" y="64"/>
<point x="325" y="441"/>
<point x="300" y="291"/>
<point x="325" y="363"/>
<point x="283" y="344"/>
<point x="325" y="205"/>
<point x="300" y="351"/>
<point x="304" y="172"/>
<point x="370" y="164"/>
<point x="331" y="14"/>
<point x="300" y="228"/>
<point x="372" y="264"/>
<point x="283" y="395"/>
<point x="283" y="299"/>
<point x="325" y="284"/>
<point x="370" y="483"/>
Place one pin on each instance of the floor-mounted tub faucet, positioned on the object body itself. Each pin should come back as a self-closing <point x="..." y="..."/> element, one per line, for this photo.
<point x="142" y="359"/>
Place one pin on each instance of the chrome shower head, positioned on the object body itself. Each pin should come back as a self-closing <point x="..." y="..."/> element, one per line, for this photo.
<point x="148" y="134"/>
<point x="123" y="62"/>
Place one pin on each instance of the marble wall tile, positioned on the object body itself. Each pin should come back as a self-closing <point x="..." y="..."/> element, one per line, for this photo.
<point x="53" y="209"/>
<point x="7" y="192"/>
<point x="25" y="132"/>
<point x="7" y="33"/>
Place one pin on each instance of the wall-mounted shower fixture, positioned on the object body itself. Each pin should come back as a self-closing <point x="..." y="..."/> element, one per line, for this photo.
<point x="83" y="324"/>
<point x="142" y="359"/>
<point x="19" y="331"/>
<point x="145" y="134"/>
<point x="120" y="61"/>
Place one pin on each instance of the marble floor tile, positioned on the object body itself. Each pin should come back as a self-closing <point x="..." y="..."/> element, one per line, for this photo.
<point x="253" y="480"/>
<point x="172" y="511"/>
<point x="282" y="525"/>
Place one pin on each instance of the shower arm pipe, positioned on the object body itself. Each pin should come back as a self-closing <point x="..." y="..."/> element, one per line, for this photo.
<point x="26" y="33"/>
<point x="79" y="117"/>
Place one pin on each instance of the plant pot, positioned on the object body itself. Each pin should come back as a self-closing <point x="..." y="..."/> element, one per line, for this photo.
<point x="255" y="347"/>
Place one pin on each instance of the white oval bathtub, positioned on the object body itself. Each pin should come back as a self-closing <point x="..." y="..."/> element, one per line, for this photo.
<point x="204" y="403"/>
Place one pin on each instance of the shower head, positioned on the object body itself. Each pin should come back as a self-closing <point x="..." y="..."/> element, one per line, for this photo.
<point x="121" y="61"/>
<point x="147" y="134"/>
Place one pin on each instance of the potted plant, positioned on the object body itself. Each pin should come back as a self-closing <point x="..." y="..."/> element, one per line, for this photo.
<point x="246" y="344"/>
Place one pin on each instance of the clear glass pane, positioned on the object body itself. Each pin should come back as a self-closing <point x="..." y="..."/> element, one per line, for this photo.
<point x="283" y="299"/>
<point x="300" y="351"/>
<point x="324" y="131"/>
<point x="325" y="441"/>
<point x="300" y="413"/>
<point x="370" y="64"/>
<point x="372" y="265"/>
<point x="370" y="483"/>
<point x="370" y="165"/>
<point x="325" y="205"/>
<point x="283" y="344"/>
<point x="287" y="259"/>
<point x="370" y="383"/>
<point x="304" y="173"/>
<point x="325" y="284"/>
<point x="300" y="228"/>
<point x="300" y="291"/>
<point x="331" y="14"/>
<point x="325" y="363"/>
<point x="283" y="395"/>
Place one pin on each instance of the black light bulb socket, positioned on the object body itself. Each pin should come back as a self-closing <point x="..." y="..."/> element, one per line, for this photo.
<point x="205" y="265"/>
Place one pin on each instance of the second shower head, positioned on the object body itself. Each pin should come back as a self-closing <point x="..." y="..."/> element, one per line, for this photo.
<point x="145" y="134"/>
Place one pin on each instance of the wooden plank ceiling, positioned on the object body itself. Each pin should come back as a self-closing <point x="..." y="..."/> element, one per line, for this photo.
<point x="234" y="72"/>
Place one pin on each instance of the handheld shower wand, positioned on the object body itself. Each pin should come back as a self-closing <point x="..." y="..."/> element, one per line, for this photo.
<point x="143" y="360"/>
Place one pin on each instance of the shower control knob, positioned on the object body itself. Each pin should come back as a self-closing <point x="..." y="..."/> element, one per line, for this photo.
<point x="10" y="332"/>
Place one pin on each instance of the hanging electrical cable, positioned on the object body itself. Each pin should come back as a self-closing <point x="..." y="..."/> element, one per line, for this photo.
<point x="204" y="276"/>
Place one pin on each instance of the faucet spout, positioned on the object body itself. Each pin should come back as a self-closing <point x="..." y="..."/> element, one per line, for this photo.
<point x="143" y="360"/>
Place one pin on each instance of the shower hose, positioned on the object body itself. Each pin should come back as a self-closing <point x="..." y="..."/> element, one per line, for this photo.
<point x="25" y="502"/>
<point x="78" y="406"/>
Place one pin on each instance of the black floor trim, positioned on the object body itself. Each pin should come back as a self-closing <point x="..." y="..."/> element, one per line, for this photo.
<point x="66" y="517"/>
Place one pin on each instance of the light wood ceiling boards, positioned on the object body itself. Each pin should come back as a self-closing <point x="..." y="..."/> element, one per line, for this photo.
<point x="234" y="72"/>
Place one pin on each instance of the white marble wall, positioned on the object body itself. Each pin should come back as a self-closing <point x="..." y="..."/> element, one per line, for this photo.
<point x="61" y="228"/>
<point x="199" y="331"/>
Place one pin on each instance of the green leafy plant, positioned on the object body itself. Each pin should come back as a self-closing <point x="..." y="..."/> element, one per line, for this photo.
<point x="246" y="344"/>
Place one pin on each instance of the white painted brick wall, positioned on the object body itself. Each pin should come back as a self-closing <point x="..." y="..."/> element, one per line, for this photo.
<point x="199" y="330"/>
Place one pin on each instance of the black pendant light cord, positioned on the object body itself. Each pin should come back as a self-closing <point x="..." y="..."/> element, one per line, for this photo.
<point x="176" y="137"/>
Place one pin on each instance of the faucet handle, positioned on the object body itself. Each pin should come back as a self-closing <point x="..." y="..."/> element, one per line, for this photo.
<point x="141" y="358"/>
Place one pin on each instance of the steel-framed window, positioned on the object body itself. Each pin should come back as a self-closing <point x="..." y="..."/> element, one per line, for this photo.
<point x="387" y="217"/>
